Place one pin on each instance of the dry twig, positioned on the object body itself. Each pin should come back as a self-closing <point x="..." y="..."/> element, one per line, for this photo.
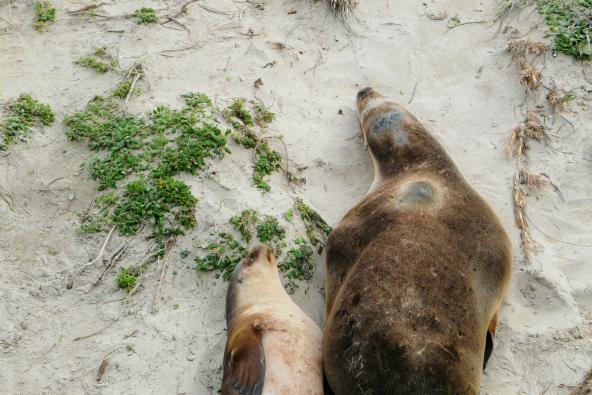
<point x="97" y="259"/>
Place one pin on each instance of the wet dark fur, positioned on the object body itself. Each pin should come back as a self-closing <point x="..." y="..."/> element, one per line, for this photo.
<point x="414" y="273"/>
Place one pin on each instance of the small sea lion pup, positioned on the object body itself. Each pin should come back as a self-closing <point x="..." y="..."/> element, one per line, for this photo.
<point x="416" y="270"/>
<point x="273" y="347"/>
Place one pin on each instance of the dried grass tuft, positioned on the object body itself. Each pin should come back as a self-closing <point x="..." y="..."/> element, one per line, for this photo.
<point x="529" y="245"/>
<point x="531" y="128"/>
<point x="506" y="7"/>
<point x="530" y="77"/>
<point x="554" y="99"/>
<point x="518" y="48"/>
<point x="534" y="181"/>
<point x="342" y="8"/>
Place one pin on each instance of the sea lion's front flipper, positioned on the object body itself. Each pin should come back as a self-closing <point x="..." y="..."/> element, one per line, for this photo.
<point x="244" y="363"/>
<point x="489" y="339"/>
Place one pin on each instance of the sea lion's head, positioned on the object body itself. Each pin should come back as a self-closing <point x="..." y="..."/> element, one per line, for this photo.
<point x="256" y="272"/>
<point x="259" y="256"/>
<point x="383" y="121"/>
<point x="258" y="265"/>
<point x="395" y="138"/>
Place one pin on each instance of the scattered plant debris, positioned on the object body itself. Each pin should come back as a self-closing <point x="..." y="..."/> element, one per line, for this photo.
<point x="506" y="7"/>
<point x="559" y="100"/>
<point x="530" y="77"/>
<point x="45" y="15"/>
<point x="531" y="129"/>
<point x="23" y="113"/>
<point x="343" y="8"/>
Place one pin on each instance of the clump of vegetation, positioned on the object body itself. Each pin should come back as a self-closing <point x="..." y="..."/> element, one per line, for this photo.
<point x="222" y="256"/>
<point x="570" y="24"/>
<point x="127" y="87"/>
<point x="263" y="115"/>
<point x="559" y="100"/>
<point x="92" y="62"/>
<point x="158" y="201"/>
<point x="245" y="223"/>
<point x="298" y="264"/>
<point x="122" y="90"/>
<point x="91" y="225"/>
<point x="270" y="232"/>
<point x="289" y="215"/>
<point x="100" y="61"/>
<point x="45" y="14"/>
<point x="127" y="278"/>
<point x="197" y="100"/>
<point x="268" y="161"/>
<point x="316" y="227"/>
<point x="23" y="114"/>
<point x="238" y="112"/>
<point x="530" y="76"/>
<point x="531" y="129"/>
<point x="153" y="149"/>
<point x="145" y="15"/>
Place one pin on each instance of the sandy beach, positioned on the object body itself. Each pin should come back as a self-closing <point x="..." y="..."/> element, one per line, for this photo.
<point x="460" y="82"/>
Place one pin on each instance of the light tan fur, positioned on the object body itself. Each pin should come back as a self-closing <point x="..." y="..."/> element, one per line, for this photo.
<point x="290" y="340"/>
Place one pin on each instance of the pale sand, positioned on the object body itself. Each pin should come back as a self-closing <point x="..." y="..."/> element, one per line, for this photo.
<point x="466" y="94"/>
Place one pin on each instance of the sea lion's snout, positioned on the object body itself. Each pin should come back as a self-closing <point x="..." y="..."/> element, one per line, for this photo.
<point x="259" y="254"/>
<point x="365" y="92"/>
<point x="367" y="98"/>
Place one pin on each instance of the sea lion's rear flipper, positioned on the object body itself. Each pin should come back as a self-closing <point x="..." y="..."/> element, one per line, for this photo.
<point x="244" y="363"/>
<point x="326" y="387"/>
<point x="489" y="339"/>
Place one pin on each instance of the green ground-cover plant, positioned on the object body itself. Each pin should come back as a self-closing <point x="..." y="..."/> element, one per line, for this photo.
<point x="92" y="62"/>
<point x="149" y="151"/>
<point x="570" y="22"/>
<point x="263" y="115"/>
<point x="245" y="224"/>
<point x="270" y="232"/>
<point x="23" y="113"/>
<point x="223" y="254"/>
<point x="100" y="61"/>
<point x="45" y="14"/>
<point x="267" y="160"/>
<point x="127" y="278"/>
<point x="316" y="227"/>
<point x="297" y="265"/>
<point x="145" y="15"/>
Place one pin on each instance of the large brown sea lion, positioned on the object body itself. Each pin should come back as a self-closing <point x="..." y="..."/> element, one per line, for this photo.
<point x="416" y="270"/>
<point x="273" y="347"/>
